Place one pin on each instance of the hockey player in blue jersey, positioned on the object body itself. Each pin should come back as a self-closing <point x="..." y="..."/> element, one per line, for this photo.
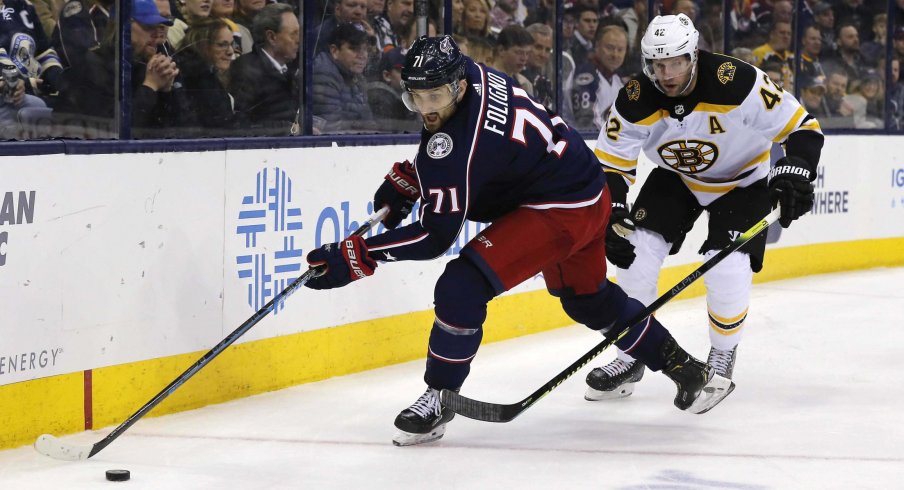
<point x="489" y="153"/>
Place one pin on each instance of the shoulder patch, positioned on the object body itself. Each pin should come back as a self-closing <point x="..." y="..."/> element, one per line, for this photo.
<point x="633" y="90"/>
<point x="439" y="146"/>
<point x="583" y="79"/>
<point x="726" y="72"/>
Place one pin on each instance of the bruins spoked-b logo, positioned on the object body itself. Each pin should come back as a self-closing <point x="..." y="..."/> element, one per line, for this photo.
<point x="689" y="157"/>
<point x="726" y="72"/>
<point x="439" y="145"/>
<point x="633" y="90"/>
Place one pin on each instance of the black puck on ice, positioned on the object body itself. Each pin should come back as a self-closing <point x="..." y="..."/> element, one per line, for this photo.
<point x="118" y="475"/>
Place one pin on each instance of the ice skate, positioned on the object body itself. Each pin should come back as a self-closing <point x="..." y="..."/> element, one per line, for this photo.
<point x="722" y="361"/>
<point x="614" y="380"/>
<point x="424" y="421"/>
<point x="699" y="387"/>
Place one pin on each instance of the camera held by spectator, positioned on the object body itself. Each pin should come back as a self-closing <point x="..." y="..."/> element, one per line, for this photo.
<point x="10" y="76"/>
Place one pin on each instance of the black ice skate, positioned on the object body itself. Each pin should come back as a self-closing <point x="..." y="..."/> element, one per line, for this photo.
<point x="614" y="380"/>
<point x="423" y="421"/>
<point x="722" y="361"/>
<point x="699" y="387"/>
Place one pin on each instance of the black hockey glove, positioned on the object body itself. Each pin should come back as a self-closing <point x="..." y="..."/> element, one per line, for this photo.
<point x="619" y="250"/>
<point x="399" y="191"/>
<point x="345" y="262"/>
<point x="791" y="186"/>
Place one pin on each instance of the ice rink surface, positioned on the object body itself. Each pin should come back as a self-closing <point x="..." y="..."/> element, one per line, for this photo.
<point x="819" y="404"/>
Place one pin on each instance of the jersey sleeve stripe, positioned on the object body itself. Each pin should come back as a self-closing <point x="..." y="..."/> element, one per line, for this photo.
<point x="615" y="161"/>
<point x="400" y="243"/>
<point x="630" y="177"/>
<point x="812" y="124"/>
<point x="799" y="114"/>
<point x="563" y="204"/>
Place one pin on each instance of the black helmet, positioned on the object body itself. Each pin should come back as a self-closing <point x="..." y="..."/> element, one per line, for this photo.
<point x="432" y="62"/>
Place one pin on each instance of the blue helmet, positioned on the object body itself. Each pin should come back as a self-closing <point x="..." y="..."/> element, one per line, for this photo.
<point x="432" y="62"/>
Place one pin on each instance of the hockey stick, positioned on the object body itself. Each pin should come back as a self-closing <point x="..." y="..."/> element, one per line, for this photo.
<point x="54" y="447"/>
<point x="495" y="412"/>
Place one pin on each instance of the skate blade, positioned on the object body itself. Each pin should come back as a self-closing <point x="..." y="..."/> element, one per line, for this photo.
<point x="714" y="392"/>
<point x="622" y="391"/>
<point x="403" y="438"/>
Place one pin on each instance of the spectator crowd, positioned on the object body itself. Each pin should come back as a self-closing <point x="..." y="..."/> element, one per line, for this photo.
<point x="201" y="68"/>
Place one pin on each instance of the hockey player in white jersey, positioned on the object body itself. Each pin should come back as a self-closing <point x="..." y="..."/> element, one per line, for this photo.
<point x="708" y="122"/>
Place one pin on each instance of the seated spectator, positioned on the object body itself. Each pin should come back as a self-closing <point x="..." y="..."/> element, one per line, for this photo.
<point x="810" y="49"/>
<point x="870" y="96"/>
<point x="13" y="99"/>
<point x="540" y="64"/>
<point x="897" y="96"/>
<point x="395" y="29"/>
<point x="898" y="42"/>
<point x="776" y="48"/>
<point x="812" y="96"/>
<point x="824" y="18"/>
<point x="29" y="48"/>
<point x="588" y="20"/>
<point x="241" y="35"/>
<point x="80" y="26"/>
<point x="246" y="11"/>
<point x="340" y="95"/>
<point x="264" y="82"/>
<point x="204" y="63"/>
<point x="385" y="97"/>
<point x="159" y="109"/>
<point x="597" y="82"/>
<point x="848" y="52"/>
<point x="511" y="53"/>
<point x="836" y="89"/>
<point x="190" y="12"/>
<point x="344" y="11"/>
<point x="875" y="49"/>
<point x="475" y="20"/>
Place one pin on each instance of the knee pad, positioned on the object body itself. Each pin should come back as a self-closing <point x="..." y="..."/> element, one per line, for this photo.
<point x="641" y="279"/>
<point x="461" y="296"/>
<point x="728" y="287"/>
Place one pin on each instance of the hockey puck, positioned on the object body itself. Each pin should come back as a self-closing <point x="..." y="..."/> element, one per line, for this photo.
<point x="118" y="475"/>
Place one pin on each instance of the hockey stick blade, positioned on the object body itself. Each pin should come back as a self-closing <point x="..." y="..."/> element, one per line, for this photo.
<point x="496" y="412"/>
<point x="53" y="447"/>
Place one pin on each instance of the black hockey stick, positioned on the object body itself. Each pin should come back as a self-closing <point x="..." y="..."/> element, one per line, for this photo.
<point x="495" y="412"/>
<point x="53" y="447"/>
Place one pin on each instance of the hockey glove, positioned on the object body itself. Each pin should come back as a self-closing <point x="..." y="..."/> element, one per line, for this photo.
<point x="791" y="186"/>
<point x="399" y="191"/>
<point x="619" y="250"/>
<point x="344" y="262"/>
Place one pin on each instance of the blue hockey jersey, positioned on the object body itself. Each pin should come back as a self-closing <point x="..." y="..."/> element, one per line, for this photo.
<point x="499" y="151"/>
<point x="24" y="43"/>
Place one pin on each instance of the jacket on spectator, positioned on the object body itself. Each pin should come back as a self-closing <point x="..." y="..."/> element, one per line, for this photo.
<point x="80" y="28"/>
<point x="340" y="97"/>
<point x="206" y="95"/>
<point x="89" y="90"/>
<point x="266" y="101"/>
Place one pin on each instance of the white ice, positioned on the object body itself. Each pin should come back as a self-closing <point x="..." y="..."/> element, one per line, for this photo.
<point x="818" y="405"/>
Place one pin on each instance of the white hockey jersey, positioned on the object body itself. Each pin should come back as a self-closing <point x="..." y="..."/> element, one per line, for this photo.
<point x="716" y="138"/>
